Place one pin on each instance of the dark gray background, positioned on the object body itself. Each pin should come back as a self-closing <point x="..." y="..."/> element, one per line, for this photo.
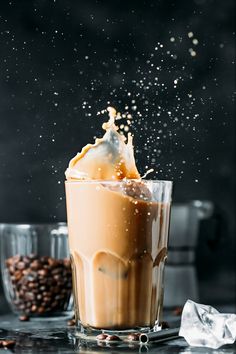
<point x="55" y="55"/>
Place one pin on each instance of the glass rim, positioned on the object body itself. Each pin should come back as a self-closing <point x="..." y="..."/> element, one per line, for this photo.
<point x="109" y="181"/>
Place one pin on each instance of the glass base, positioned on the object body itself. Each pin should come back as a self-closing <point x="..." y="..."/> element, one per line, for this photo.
<point x="128" y="338"/>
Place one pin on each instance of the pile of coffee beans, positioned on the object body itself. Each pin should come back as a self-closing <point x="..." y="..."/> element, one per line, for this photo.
<point x="39" y="285"/>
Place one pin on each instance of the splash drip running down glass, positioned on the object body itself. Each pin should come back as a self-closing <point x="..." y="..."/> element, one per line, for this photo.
<point x="118" y="229"/>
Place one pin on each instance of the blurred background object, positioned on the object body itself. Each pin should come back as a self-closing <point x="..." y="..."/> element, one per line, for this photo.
<point x="36" y="269"/>
<point x="181" y="281"/>
<point x="170" y="64"/>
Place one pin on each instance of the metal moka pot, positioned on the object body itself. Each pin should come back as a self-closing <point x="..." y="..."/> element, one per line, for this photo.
<point x="180" y="271"/>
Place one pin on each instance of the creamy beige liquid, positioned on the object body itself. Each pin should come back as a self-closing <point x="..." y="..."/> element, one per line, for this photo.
<point x="118" y="246"/>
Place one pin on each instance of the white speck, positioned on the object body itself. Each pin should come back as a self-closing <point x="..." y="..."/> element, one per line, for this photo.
<point x="195" y="41"/>
<point x="190" y="34"/>
<point x="172" y="39"/>
<point x="192" y="52"/>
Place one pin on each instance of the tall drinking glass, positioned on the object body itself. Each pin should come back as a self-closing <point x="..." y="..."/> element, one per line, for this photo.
<point x="118" y="233"/>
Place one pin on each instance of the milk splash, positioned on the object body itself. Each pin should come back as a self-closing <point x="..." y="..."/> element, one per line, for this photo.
<point x="110" y="158"/>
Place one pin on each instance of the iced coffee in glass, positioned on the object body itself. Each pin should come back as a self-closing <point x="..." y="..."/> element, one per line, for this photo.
<point x="118" y="231"/>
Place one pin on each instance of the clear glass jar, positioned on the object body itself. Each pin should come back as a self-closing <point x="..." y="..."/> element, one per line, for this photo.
<point x="36" y="268"/>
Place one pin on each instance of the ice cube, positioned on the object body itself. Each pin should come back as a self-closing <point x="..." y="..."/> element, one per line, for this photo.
<point x="132" y="188"/>
<point x="137" y="190"/>
<point x="204" y="326"/>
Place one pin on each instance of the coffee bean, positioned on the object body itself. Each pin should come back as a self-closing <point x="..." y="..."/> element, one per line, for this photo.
<point x="112" y="338"/>
<point x="53" y="262"/>
<point x="8" y="262"/>
<point x="55" y="303"/>
<point x="63" y="291"/>
<point x="44" y="259"/>
<point x="164" y="325"/>
<point x="32" y="276"/>
<point x="36" y="265"/>
<point x="32" y="285"/>
<point x="43" y="272"/>
<point x="8" y="343"/>
<point x="71" y="322"/>
<point x="57" y="277"/>
<point x="20" y="265"/>
<point x="29" y="296"/>
<point x="46" y="293"/>
<point x="56" y="290"/>
<point x="41" y="309"/>
<point x="11" y="269"/>
<point x="17" y="258"/>
<point x="28" y="304"/>
<point x="32" y="256"/>
<point x="102" y="336"/>
<point x="21" y="294"/>
<point x="47" y="299"/>
<point x="178" y="311"/>
<point x="24" y="318"/>
<point x="34" y="308"/>
<point x="21" y="307"/>
<point x="18" y="275"/>
<point x="133" y="337"/>
<point x="57" y="270"/>
<point x="67" y="263"/>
